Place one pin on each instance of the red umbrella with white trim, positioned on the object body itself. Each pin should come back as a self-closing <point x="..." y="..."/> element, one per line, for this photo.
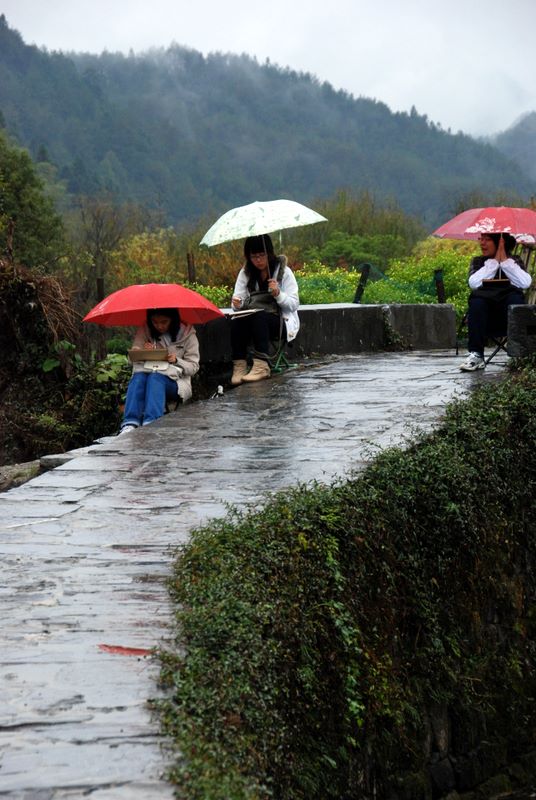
<point x="472" y="223"/>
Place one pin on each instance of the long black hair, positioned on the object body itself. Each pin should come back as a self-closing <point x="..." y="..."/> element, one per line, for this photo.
<point x="260" y="244"/>
<point x="172" y="314"/>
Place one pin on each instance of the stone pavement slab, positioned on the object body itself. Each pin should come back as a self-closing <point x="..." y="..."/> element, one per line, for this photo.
<point x="85" y="551"/>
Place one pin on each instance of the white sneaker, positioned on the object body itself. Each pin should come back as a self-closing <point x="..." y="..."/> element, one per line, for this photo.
<point x="127" y="429"/>
<point x="473" y="361"/>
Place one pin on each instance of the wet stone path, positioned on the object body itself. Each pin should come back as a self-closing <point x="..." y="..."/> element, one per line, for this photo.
<point x="85" y="552"/>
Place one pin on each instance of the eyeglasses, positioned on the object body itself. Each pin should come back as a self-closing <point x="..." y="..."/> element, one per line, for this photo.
<point x="257" y="256"/>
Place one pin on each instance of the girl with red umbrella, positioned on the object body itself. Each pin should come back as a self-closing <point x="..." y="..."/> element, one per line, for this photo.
<point x="155" y="383"/>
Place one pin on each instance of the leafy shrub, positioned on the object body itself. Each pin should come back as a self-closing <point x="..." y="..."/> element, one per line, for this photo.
<point x="148" y="257"/>
<point x="406" y="280"/>
<point x="318" y="283"/>
<point x="219" y="295"/>
<point x="360" y="216"/>
<point x="119" y="344"/>
<point x="315" y="636"/>
<point x="91" y="397"/>
<point x="346" y="250"/>
<point x="70" y="404"/>
<point x="411" y="280"/>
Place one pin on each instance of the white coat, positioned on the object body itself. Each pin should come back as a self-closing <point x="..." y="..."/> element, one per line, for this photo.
<point x="516" y="274"/>
<point x="288" y="298"/>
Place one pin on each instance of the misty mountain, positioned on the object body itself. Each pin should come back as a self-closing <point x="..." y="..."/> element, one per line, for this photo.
<point x="194" y="135"/>
<point x="519" y="143"/>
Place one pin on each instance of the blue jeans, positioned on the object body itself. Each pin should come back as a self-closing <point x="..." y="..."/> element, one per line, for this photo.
<point x="146" y="397"/>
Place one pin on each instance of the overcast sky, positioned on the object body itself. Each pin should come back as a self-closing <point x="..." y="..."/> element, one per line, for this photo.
<point x="468" y="64"/>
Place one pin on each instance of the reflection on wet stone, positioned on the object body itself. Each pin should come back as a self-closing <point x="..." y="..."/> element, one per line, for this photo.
<point x="85" y="551"/>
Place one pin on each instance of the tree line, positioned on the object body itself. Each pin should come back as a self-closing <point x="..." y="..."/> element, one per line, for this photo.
<point x="187" y="135"/>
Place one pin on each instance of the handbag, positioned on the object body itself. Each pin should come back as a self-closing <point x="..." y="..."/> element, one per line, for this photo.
<point x="263" y="301"/>
<point x="155" y="366"/>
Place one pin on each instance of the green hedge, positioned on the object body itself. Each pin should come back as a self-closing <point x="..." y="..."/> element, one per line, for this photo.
<point x="411" y="280"/>
<point x="315" y="636"/>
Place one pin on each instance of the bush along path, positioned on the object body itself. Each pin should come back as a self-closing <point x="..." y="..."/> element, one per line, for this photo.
<point x="51" y="398"/>
<point x="375" y="637"/>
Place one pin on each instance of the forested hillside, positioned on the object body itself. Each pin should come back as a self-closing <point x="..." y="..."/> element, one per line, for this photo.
<point x="519" y="143"/>
<point x="193" y="135"/>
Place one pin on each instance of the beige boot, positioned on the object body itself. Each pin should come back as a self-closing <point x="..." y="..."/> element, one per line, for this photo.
<point x="240" y="367"/>
<point x="259" y="371"/>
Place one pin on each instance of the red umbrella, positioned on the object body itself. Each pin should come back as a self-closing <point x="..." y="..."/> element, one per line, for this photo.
<point x="495" y="219"/>
<point x="128" y="306"/>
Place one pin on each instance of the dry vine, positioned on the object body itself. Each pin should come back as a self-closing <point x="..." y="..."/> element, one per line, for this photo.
<point x="54" y="299"/>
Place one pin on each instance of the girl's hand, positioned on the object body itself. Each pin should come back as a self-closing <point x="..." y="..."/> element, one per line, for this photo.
<point x="236" y="302"/>
<point x="500" y="255"/>
<point x="273" y="287"/>
<point x="148" y="346"/>
<point x="172" y="358"/>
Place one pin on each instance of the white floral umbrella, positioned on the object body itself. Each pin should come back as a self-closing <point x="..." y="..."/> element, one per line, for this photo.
<point x="258" y="218"/>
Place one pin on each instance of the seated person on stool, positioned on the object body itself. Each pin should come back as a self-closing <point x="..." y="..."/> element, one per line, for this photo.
<point x="497" y="280"/>
<point x="265" y="282"/>
<point x="153" y="383"/>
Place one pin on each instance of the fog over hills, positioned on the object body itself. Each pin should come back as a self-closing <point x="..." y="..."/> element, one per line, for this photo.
<point x="192" y="134"/>
<point x="519" y="143"/>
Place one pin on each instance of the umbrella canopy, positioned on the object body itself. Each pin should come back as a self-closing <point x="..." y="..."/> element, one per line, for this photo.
<point x="495" y="219"/>
<point x="258" y="218"/>
<point x="129" y="306"/>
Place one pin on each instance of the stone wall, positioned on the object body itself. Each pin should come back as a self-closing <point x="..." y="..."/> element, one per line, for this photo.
<point x="521" y="330"/>
<point x="341" y="328"/>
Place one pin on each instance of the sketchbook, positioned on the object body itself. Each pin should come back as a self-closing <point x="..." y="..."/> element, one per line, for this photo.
<point x="245" y="313"/>
<point x="495" y="282"/>
<point x="148" y="355"/>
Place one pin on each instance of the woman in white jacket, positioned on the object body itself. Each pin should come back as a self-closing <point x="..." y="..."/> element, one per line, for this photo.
<point x="265" y="283"/>
<point x="154" y="383"/>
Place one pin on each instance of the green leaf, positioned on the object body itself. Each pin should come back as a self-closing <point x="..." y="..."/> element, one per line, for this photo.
<point x="50" y="364"/>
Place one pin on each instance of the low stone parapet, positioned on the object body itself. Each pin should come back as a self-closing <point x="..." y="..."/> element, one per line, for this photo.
<point x="423" y="327"/>
<point x="341" y="328"/>
<point x="521" y="330"/>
